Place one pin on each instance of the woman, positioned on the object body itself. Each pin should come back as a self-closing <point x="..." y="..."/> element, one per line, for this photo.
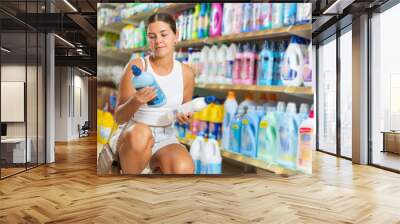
<point x="143" y="140"/>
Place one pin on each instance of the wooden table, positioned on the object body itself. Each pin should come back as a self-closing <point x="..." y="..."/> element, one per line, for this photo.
<point x="391" y="141"/>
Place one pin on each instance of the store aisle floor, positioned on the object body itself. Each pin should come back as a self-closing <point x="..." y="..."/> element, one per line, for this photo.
<point x="70" y="191"/>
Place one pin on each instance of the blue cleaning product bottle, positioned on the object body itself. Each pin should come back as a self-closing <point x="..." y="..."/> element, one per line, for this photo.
<point x="235" y="131"/>
<point x="144" y="79"/>
<point x="268" y="136"/>
<point x="288" y="138"/>
<point x="249" y="133"/>
<point x="280" y="49"/>
<point x="290" y="12"/>
<point x="265" y="66"/>
<point x="247" y="10"/>
<point x="230" y="107"/>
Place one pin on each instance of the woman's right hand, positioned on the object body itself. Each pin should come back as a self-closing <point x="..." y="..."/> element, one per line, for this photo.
<point x="144" y="95"/>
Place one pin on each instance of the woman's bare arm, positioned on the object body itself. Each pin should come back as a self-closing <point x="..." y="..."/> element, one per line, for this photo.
<point x="129" y="100"/>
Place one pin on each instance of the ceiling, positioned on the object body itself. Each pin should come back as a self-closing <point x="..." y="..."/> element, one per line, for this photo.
<point x="76" y="25"/>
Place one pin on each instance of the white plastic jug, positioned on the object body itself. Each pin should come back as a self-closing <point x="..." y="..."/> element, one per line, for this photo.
<point x="195" y="152"/>
<point x="211" y="161"/>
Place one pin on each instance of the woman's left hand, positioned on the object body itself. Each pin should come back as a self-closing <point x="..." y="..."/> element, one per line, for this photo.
<point x="184" y="118"/>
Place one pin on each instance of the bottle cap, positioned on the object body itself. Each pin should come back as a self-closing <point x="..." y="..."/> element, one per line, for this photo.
<point x="303" y="108"/>
<point x="231" y="95"/>
<point x="209" y="99"/>
<point x="311" y="115"/>
<point x="291" y="108"/>
<point x="136" y="70"/>
<point x="281" y="106"/>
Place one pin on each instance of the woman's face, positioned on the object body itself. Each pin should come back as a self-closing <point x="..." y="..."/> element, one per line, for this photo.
<point x="161" y="38"/>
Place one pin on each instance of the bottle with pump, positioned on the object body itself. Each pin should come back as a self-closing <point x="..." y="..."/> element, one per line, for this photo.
<point x="143" y="79"/>
<point x="230" y="107"/>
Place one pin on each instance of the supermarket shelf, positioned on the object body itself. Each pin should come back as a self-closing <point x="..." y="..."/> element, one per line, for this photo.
<point x="171" y="8"/>
<point x="115" y="27"/>
<point x="256" y="163"/>
<point x="121" y="55"/>
<point x="300" y="30"/>
<point x="279" y="32"/>
<point x="250" y="161"/>
<point x="256" y="88"/>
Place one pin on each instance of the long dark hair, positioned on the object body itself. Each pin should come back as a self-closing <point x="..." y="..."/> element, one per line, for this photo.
<point x="164" y="17"/>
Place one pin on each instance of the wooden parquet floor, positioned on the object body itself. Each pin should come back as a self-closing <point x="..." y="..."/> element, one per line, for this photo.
<point x="69" y="191"/>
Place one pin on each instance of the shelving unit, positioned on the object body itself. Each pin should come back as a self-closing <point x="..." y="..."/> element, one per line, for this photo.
<point x="256" y="88"/>
<point x="303" y="30"/>
<point x="299" y="30"/>
<point x="250" y="161"/>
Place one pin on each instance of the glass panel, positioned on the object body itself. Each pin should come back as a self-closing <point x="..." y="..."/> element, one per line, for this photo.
<point x="327" y="96"/>
<point x="385" y="86"/>
<point x="31" y="98"/>
<point x="41" y="99"/>
<point x="13" y="77"/>
<point x="346" y="94"/>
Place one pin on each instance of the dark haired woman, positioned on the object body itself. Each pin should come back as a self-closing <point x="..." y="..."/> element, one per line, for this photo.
<point x="142" y="139"/>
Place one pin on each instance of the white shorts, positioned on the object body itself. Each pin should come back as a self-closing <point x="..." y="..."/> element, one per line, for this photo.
<point x="162" y="136"/>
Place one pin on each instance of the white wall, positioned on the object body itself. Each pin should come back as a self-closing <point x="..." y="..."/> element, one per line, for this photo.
<point x="68" y="83"/>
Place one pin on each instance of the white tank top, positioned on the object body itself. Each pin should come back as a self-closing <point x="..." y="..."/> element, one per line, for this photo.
<point x="172" y="86"/>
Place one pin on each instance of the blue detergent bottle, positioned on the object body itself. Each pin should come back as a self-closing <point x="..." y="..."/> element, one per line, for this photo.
<point x="266" y="63"/>
<point x="288" y="138"/>
<point x="249" y="133"/>
<point x="235" y="131"/>
<point x="289" y="16"/>
<point x="144" y="79"/>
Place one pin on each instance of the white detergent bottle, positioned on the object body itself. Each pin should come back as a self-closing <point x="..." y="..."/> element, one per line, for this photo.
<point x="211" y="161"/>
<point x="221" y="66"/>
<point x="195" y="152"/>
<point x="229" y="63"/>
<point x="230" y="107"/>
<point x="213" y="64"/>
<point x="203" y="65"/>
<point x="196" y="104"/>
<point x="293" y="64"/>
<point x="306" y="145"/>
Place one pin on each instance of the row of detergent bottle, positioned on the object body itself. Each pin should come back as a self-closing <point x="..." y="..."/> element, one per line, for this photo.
<point x="272" y="132"/>
<point x="275" y="63"/>
<point x="215" y="19"/>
